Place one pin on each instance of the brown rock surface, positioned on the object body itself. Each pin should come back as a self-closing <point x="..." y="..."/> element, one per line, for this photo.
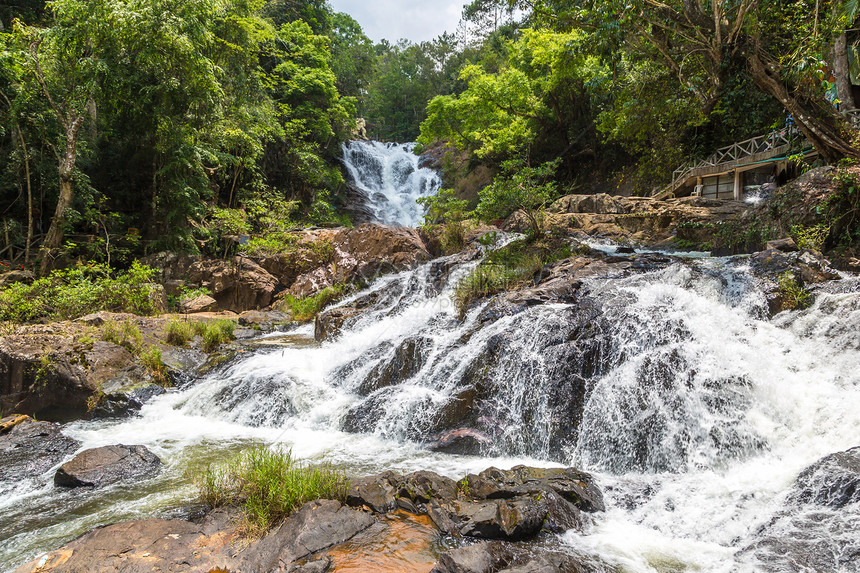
<point x="211" y="545"/>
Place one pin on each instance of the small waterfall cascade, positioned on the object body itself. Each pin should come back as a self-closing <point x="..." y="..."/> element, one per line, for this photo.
<point x="390" y="180"/>
<point x="695" y="410"/>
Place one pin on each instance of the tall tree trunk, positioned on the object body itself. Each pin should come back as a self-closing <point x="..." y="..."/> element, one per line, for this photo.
<point x="54" y="238"/>
<point x="823" y="130"/>
<point x="29" y="196"/>
<point x="842" y="74"/>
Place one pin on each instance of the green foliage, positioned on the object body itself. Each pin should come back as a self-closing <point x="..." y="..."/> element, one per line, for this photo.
<point x="150" y="358"/>
<point x="516" y="110"/>
<point x="306" y="308"/>
<point x="794" y="296"/>
<point x="519" y="187"/>
<point x="269" y="485"/>
<point x="214" y="333"/>
<point x="178" y="332"/>
<point x="444" y="215"/>
<point x="74" y="292"/>
<point x="812" y="237"/>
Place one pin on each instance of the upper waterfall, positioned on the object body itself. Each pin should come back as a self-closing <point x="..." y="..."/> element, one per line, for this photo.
<point x="390" y="179"/>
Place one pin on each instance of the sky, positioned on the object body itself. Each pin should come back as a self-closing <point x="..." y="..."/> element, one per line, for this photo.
<point x="394" y="19"/>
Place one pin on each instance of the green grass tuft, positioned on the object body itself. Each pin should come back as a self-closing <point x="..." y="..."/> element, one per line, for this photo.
<point x="214" y="333"/>
<point x="269" y="485"/>
<point x="306" y="308"/>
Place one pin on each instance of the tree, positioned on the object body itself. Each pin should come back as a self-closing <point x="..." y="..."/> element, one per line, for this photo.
<point x="65" y="61"/>
<point x="540" y="103"/>
<point x="519" y="187"/>
<point x="781" y="47"/>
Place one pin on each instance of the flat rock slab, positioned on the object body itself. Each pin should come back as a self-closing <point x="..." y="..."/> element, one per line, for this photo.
<point x="103" y="466"/>
<point x="212" y="545"/>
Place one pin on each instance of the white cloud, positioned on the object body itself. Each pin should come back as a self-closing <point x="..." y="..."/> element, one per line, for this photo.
<point x="396" y="19"/>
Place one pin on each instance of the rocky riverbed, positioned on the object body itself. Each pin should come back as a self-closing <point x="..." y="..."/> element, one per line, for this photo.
<point x="670" y="378"/>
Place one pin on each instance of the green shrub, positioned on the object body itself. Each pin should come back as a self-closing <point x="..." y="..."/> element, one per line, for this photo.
<point x="214" y="333"/>
<point x="810" y="237"/>
<point x="508" y="268"/>
<point x="126" y="334"/>
<point x="794" y="296"/>
<point x="269" y="485"/>
<point x="70" y="293"/>
<point x="306" y="308"/>
<point x="445" y="214"/>
<point x="178" y="332"/>
<point x="151" y="360"/>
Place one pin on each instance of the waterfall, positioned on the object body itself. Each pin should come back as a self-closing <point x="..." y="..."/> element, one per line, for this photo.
<point x="695" y="410"/>
<point x="389" y="179"/>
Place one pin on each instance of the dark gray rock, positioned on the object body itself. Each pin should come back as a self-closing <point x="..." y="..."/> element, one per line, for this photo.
<point x="103" y="466"/>
<point x="377" y="492"/>
<point x="833" y="481"/>
<point x="503" y="557"/>
<point x="29" y="449"/>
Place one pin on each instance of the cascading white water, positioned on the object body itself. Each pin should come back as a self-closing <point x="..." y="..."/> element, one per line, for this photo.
<point x="695" y="411"/>
<point x="389" y="177"/>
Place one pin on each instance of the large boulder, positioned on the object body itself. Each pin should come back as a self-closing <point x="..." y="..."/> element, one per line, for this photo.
<point x="103" y="466"/>
<point x="833" y="481"/>
<point x="237" y="284"/>
<point x="51" y="368"/>
<point x="200" y="303"/>
<point x="816" y="528"/>
<point x="361" y="254"/>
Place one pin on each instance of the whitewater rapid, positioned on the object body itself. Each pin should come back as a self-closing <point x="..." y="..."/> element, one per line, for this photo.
<point x="389" y="177"/>
<point x="699" y="411"/>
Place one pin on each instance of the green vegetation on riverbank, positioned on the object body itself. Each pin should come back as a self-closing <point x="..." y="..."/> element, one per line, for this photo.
<point x="269" y="485"/>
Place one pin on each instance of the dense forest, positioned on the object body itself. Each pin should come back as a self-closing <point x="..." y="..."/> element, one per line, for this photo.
<point x="133" y="126"/>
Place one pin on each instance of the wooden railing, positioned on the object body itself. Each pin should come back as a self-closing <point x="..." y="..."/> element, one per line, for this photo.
<point x="772" y="141"/>
<point x="736" y="151"/>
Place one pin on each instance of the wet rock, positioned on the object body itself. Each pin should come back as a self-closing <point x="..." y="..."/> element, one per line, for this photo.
<point x="500" y="519"/>
<point x="124" y="395"/>
<point x="575" y="486"/>
<point x="201" y="303"/>
<point x="816" y="530"/>
<point x="495" y="504"/>
<point x="503" y="557"/>
<point x="206" y="546"/>
<point x="377" y="492"/>
<point x="318" y="566"/>
<point x="103" y="466"/>
<point x="29" y="448"/>
<point x="465" y="441"/>
<point x="406" y="361"/>
<point x="833" y="481"/>
<point x="38" y="371"/>
<point x="329" y="323"/>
